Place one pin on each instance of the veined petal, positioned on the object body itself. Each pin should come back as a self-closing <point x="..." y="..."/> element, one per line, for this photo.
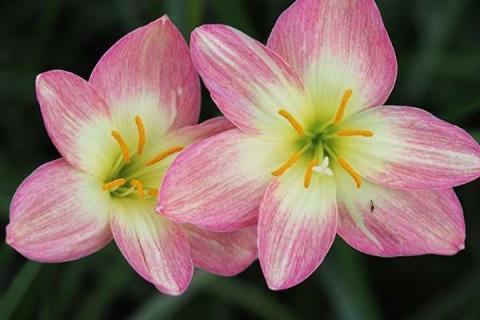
<point x="296" y="228"/>
<point x="248" y="82"/>
<point x="387" y="222"/>
<point x="334" y="46"/>
<point x="223" y="253"/>
<point x="154" y="246"/>
<point x="78" y="121"/>
<point x="188" y="135"/>
<point x="59" y="214"/>
<point x="149" y="72"/>
<point x="218" y="183"/>
<point x="179" y="138"/>
<point x="411" y="149"/>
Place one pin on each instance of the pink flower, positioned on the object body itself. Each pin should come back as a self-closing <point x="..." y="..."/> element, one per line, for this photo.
<point x="315" y="153"/>
<point x="117" y="135"/>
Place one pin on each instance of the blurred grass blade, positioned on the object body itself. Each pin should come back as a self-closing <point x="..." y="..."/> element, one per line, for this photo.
<point x="344" y="278"/>
<point x="164" y="307"/>
<point x="16" y="291"/>
<point x="259" y="302"/>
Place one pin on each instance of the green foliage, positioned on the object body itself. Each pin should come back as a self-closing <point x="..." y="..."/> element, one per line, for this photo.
<point x="439" y="63"/>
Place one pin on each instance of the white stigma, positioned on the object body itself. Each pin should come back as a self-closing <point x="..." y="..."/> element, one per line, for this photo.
<point x="323" y="169"/>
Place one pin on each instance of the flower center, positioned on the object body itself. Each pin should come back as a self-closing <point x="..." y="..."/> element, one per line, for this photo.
<point x="317" y="145"/>
<point x="130" y="184"/>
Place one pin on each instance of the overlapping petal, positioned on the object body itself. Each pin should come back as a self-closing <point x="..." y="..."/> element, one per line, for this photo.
<point x="334" y="46"/>
<point x="387" y="222"/>
<point x="219" y="182"/>
<point x="223" y="253"/>
<point x="149" y="72"/>
<point x="59" y="214"/>
<point x="154" y="246"/>
<point x="411" y="149"/>
<point x="296" y="228"/>
<point x="75" y="115"/>
<point x="248" y="82"/>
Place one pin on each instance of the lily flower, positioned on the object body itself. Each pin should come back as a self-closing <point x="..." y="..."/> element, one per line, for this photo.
<point x="117" y="134"/>
<point x="315" y="152"/>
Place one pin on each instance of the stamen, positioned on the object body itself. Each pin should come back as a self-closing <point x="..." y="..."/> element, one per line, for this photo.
<point x="123" y="145"/>
<point x="347" y="167"/>
<point x="295" y="124"/>
<point x="343" y="105"/>
<point x="114" y="184"/>
<point x="290" y="162"/>
<point x="138" y="185"/>
<point x="309" y="173"/>
<point x="352" y="133"/>
<point x="141" y="134"/>
<point x="165" y="154"/>
<point x="153" y="192"/>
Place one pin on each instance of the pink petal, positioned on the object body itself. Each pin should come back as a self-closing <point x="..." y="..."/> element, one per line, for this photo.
<point x="223" y="253"/>
<point x="338" y="45"/>
<point x="59" y="214"/>
<point x="154" y="246"/>
<point x="296" y="228"/>
<point x="218" y="183"/>
<point x="151" y="65"/>
<point x="411" y="149"/>
<point x="75" y="115"/>
<point x="188" y="135"/>
<point x="386" y="222"/>
<point x="248" y="82"/>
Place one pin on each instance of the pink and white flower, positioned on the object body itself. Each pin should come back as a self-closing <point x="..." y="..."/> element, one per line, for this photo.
<point x="117" y="134"/>
<point x="315" y="152"/>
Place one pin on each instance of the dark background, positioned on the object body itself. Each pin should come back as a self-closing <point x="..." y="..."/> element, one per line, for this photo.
<point x="438" y="48"/>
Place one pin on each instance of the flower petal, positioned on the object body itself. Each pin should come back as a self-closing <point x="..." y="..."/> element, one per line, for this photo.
<point x="337" y="45"/>
<point x="411" y="149"/>
<point x="248" y="82"/>
<point x="59" y="214"/>
<point x="387" y="222"/>
<point x="188" y="135"/>
<point x="75" y="115"/>
<point x="296" y="228"/>
<point x="154" y="246"/>
<point x="223" y="253"/>
<point x="218" y="183"/>
<point x="179" y="138"/>
<point x="150" y="68"/>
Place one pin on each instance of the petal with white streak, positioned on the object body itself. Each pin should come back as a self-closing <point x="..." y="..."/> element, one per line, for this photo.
<point x="387" y="222"/>
<point x="154" y="246"/>
<point x="78" y="121"/>
<point x="248" y="82"/>
<point x="59" y="214"/>
<point x="149" y="72"/>
<point x="334" y="46"/>
<point x="222" y="253"/>
<point x="410" y="149"/>
<point x="296" y="228"/>
<point x="218" y="183"/>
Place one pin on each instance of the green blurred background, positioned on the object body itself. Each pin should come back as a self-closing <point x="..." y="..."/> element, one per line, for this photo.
<point x="438" y="48"/>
